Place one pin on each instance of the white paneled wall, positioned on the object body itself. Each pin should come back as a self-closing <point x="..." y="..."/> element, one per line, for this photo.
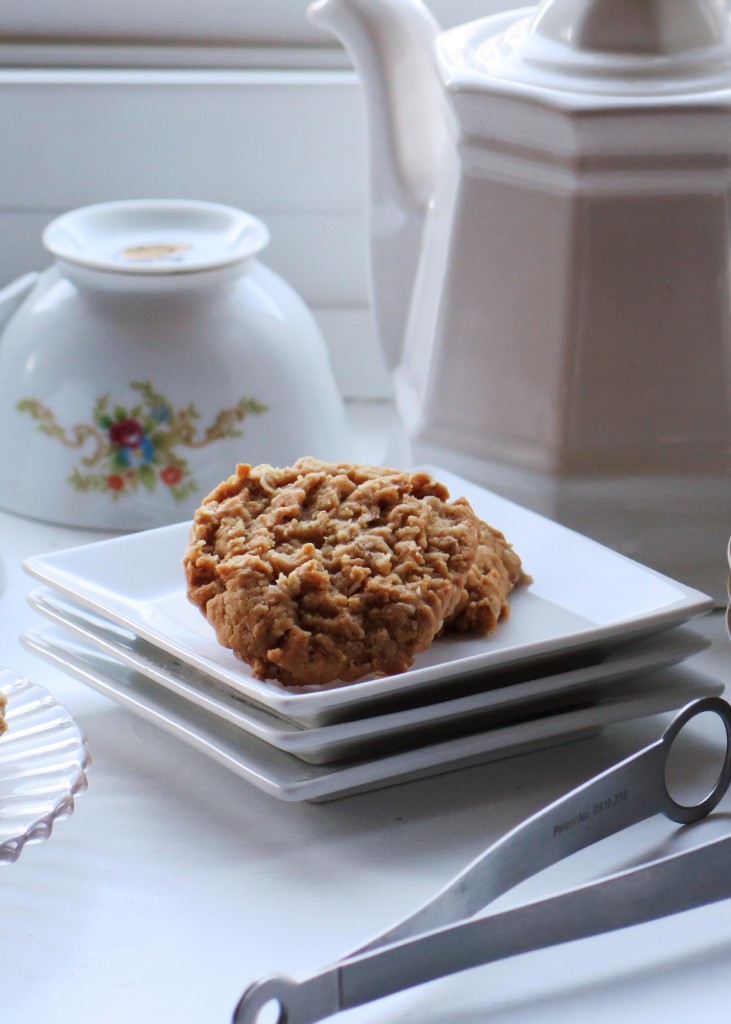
<point x="287" y="146"/>
<point x="282" y="22"/>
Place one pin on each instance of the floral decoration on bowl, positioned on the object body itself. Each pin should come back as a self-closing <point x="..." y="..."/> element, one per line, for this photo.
<point x="139" y="445"/>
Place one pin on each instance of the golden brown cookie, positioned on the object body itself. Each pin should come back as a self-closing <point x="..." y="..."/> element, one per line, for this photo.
<point x="494" y="573"/>
<point x="322" y="572"/>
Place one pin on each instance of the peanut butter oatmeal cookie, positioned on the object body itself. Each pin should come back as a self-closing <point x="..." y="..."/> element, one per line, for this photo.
<point x="494" y="573"/>
<point x="322" y="572"/>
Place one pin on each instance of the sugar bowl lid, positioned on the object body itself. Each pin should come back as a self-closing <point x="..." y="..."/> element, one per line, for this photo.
<point x="152" y="237"/>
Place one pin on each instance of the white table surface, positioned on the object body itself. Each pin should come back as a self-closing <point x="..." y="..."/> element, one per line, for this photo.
<point x="174" y="884"/>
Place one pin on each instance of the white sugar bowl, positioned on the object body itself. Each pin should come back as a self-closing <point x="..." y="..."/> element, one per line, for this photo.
<point x="150" y="358"/>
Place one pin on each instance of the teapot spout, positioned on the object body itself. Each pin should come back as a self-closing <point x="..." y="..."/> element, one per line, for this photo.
<point x="390" y="43"/>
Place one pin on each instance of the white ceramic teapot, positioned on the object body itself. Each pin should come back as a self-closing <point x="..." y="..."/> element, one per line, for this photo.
<point x="150" y="358"/>
<point x="550" y="230"/>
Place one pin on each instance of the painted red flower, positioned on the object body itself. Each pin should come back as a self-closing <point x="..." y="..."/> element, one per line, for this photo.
<point x="171" y="475"/>
<point x="126" y="433"/>
<point x="115" y="482"/>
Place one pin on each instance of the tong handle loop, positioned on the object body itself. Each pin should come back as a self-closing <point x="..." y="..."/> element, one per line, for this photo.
<point x="280" y="1000"/>
<point x="267" y="992"/>
<point x="685" y="814"/>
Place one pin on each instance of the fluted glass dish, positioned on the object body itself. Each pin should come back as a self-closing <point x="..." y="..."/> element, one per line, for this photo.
<point x="43" y="765"/>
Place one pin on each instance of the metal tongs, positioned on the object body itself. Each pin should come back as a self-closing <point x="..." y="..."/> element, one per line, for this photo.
<point x="443" y="936"/>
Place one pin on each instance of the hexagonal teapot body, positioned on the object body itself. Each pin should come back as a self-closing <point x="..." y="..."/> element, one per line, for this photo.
<point x="571" y="309"/>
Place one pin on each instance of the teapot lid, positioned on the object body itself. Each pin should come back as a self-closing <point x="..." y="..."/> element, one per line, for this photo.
<point x="633" y="47"/>
<point x="152" y="237"/>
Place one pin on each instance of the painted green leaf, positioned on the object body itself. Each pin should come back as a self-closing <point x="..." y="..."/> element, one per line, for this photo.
<point x="147" y="476"/>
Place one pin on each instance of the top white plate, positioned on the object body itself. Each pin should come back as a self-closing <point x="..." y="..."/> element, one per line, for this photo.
<point x="583" y="597"/>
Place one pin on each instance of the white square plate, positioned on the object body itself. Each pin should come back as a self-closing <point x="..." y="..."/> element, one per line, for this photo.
<point x="583" y="598"/>
<point x="86" y="638"/>
<point x="289" y="778"/>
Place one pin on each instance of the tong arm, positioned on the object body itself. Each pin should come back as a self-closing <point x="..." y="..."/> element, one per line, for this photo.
<point x="666" y="886"/>
<point x="440" y="939"/>
<point x="621" y="796"/>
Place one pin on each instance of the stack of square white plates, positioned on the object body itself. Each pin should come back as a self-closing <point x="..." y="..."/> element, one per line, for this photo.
<point x="594" y="639"/>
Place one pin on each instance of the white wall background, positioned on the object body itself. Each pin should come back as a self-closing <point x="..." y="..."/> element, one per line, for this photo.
<point x="220" y="24"/>
<point x="218" y="100"/>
